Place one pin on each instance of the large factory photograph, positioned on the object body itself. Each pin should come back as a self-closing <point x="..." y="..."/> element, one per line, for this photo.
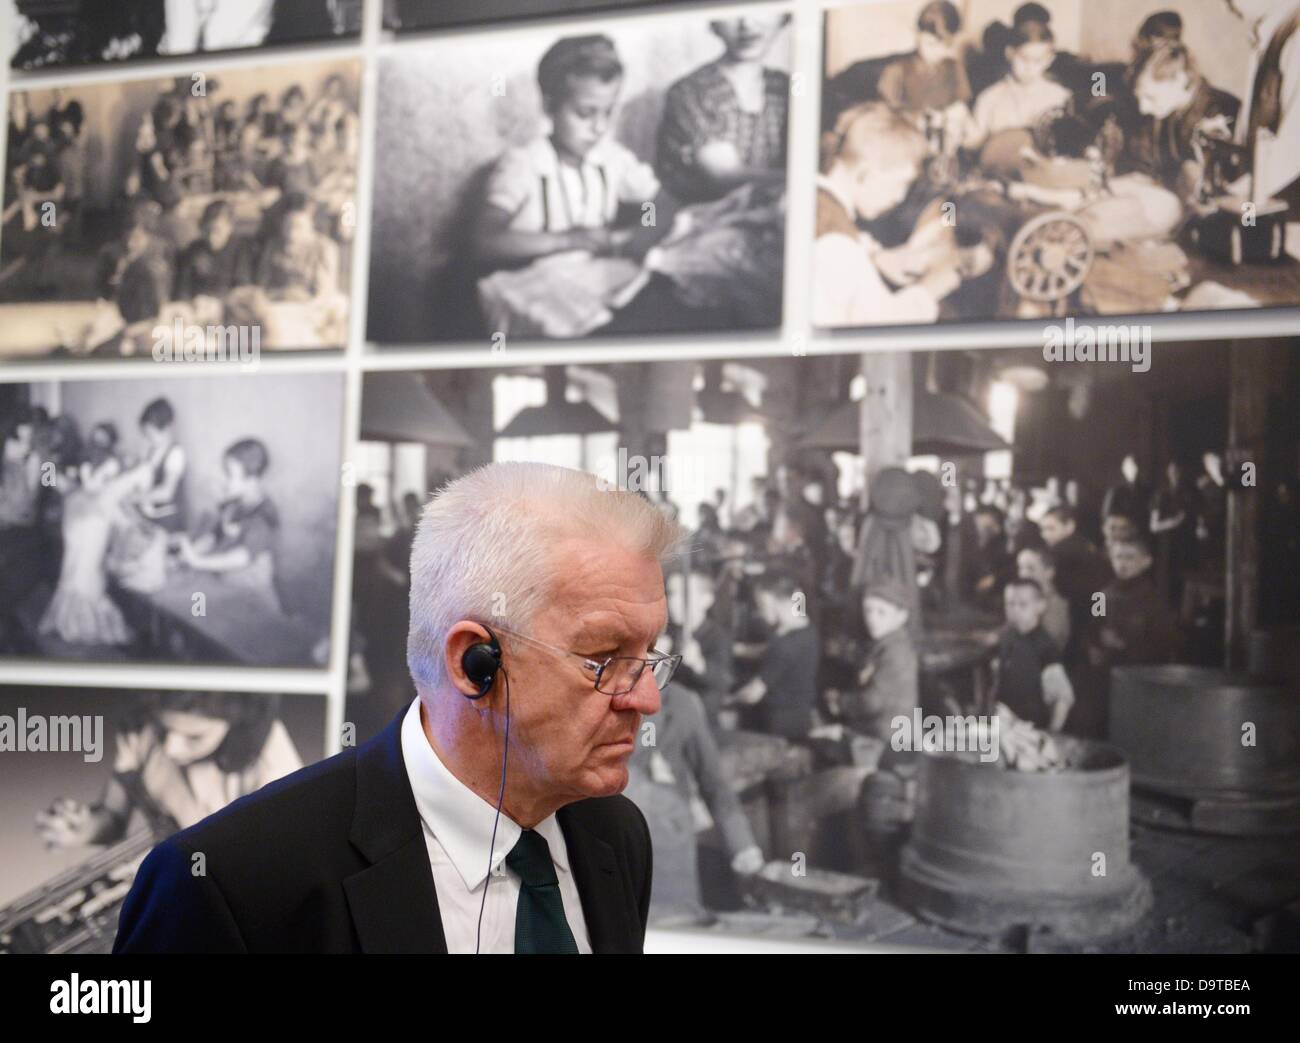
<point x="890" y="550"/>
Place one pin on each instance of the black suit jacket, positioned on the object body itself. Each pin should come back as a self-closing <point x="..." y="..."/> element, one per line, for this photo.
<point x="332" y="859"/>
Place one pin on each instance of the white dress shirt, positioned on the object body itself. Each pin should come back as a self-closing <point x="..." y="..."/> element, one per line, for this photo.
<point x="458" y="831"/>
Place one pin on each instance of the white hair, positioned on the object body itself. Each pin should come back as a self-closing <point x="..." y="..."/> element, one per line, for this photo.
<point x="483" y="546"/>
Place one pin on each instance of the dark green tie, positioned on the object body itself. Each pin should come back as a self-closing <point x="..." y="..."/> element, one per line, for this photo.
<point x="540" y="925"/>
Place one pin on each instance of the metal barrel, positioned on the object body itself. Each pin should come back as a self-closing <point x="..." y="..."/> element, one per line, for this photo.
<point x="1200" y="733"/>
<point x="992" y="850"/>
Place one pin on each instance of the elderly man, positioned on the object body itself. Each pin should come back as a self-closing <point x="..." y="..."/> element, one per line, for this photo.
<point x="487" y="816"/>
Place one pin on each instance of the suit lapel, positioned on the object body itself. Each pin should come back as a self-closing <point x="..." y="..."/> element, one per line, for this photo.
<point x="607" y="905"/>
<point x="393" y="902"/>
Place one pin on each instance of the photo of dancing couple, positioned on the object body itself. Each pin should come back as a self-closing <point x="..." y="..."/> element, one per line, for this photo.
<point x="143" y="520"/>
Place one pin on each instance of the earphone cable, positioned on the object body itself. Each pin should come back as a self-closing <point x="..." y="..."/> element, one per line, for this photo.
<point x="505" y="755"/>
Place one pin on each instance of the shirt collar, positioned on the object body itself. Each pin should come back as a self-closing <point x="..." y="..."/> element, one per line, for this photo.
<point x="459" y="819"/>
<point x="547" y="160"/>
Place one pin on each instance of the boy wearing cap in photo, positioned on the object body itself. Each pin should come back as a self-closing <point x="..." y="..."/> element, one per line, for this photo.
<point x="888" y="682"/>
<point x="888" y="688"/>
<point x="1031" y="680"/>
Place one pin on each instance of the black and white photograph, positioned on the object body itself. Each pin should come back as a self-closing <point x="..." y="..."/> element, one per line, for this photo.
<point x="94" y="778"/>
<point x="204" y="201"/>
<point x="539" y="184"/>
<point x="148" y="520"/>
<point x="405" y="16"/>
<point x="938" y="612"/>
<point x="982" y="161"/>
<point x="51" y="34"/>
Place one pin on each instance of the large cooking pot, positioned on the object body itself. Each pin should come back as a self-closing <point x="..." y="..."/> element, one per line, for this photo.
<point x="992" y="850"/>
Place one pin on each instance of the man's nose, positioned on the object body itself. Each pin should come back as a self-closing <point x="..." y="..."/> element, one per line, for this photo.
<point x="643" y="698"/>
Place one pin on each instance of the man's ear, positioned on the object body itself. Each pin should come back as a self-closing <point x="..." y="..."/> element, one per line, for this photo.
<point x="460" y="638"/>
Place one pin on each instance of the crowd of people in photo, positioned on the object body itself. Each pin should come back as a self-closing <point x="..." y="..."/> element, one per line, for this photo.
<point x="802" y="617"/>
<point x="84" y="516"/>
<point x="226" y="210"/>
<point x="1012" y="126"/>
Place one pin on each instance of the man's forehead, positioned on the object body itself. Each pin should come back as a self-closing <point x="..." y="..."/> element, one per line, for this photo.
<point x="607" y="589"/>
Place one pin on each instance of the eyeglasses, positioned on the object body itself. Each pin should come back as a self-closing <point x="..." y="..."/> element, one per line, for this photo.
<point x="617" y="675"/>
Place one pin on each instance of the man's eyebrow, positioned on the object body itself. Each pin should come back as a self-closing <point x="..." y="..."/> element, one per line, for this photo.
<point x="602" y="637"/>
<point x="598" y="636"/>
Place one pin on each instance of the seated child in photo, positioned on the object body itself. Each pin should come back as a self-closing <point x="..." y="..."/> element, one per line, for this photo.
<point x="931" y="82"/>
<point x="217" y="261"/>
<point x="1163" y="168"/>
<point x="240" y="545"/>
<point x="1031" y="680"/>
<point x="134" y="278"/>
<point x="870" y="161"/>
<point x="1025" y="94"/>
<point x="562" y="191"/>
<point x="889" y="680"/>
<point x="299" y="263"/>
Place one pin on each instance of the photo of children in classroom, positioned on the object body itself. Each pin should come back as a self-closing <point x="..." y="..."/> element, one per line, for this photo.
<point x="212" y="201"/>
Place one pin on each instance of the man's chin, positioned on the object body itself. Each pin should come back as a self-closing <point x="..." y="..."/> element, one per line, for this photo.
<point x="607" y="779"/>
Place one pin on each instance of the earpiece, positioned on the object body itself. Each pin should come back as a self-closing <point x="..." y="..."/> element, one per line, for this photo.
<point x="481" y="662"/>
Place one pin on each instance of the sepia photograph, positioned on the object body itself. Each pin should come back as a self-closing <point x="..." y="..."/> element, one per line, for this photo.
<point x="94" y="778"/>
<point x="405" y="16"/>
<point x="206" y="201"/>
<point x="949" y="623"/>
<point x="50" y="34"/>
<point x="543" y="185"/>
<point x="1105" y="158"/>
<point x="147" y="520"/>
